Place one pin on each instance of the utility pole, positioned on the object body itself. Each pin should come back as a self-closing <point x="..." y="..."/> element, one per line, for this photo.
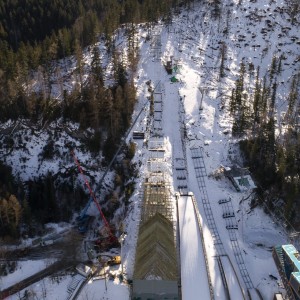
<point x="105" y="279"/>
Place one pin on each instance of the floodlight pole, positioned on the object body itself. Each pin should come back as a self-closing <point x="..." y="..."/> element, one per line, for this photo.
<point x="121" y="240"/>
<point x="105" y="277"/>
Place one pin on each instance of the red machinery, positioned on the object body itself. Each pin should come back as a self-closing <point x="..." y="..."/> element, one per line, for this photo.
<point x="105" y="242"/>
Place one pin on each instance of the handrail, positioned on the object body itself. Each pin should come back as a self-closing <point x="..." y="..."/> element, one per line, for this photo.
<point x="211" y="291"/>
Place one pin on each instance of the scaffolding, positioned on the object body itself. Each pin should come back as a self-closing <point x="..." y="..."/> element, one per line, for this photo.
<point x="156" y="257"/>
<point x="156" y="166"/>
<point x="156" y="43"/>
<point x="157" y="189"/>
<point x="156" y="268"/>
<point x="156" y="254"/>
<point x="156" y="198"/>
<point x="157" y="127"/>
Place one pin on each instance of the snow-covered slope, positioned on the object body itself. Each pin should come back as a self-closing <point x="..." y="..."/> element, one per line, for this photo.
<point x="256" y="32"/>
<point x="253" y="33"/>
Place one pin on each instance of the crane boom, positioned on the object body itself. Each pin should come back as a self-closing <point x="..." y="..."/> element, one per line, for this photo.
<point x="92" y="195"/>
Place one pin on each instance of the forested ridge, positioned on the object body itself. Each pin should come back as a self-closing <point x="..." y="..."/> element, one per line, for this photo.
<point x="33" y="36"/>
<point x="271" y="146"/>
<point x="36" y="33"/>
<point x="51" y="27"/>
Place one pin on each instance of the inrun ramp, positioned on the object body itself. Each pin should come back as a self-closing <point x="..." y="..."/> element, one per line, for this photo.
<point x="194" y="277"/>
<point x="235" y="290"/>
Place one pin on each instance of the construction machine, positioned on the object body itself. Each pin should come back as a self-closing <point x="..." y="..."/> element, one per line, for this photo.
<point x="115" y="260"/>
<point x="108" y="239"/>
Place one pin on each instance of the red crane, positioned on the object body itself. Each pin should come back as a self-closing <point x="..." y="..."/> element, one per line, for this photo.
<point x="112" y="239"/>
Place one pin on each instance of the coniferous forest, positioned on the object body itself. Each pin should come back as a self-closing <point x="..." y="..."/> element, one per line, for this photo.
<point x="273" y="159"/>
<point x="33" y="36"/>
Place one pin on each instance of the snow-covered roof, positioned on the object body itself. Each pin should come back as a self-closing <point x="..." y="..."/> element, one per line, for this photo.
<point x="244" y="182"/>
<point x="241" y="178"/>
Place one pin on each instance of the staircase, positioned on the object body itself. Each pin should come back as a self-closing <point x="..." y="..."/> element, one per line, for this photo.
<point x="77" y="280"/>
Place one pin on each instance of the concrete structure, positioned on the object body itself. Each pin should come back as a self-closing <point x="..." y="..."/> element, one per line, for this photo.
<point x="287" y="260"/>
<point x="240" y="177"/>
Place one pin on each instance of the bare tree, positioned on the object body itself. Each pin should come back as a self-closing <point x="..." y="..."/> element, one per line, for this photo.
<point x="44" y="289"/>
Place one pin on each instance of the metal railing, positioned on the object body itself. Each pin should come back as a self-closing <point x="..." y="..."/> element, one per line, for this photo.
<point x="211" y="290"/>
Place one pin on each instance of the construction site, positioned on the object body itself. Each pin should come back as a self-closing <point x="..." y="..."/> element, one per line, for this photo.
<point x="185" y="234"/>
<point x="155" y="269"/>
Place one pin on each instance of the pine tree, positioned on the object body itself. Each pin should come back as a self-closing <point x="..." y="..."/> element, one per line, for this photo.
<point x="272" y="100"/>
<point x="273" y="68"/>
<point x="79" y="62"/>
<point x="223" y="54"/>
<point x="257" y="104"/>
<point x="108" y="108"/>
<point x="240" y="108"/>
<point x="96" y="68"/>
<point x="269" y="147"/>
<point x="26" y="215"/>
<point x="264" y="99"/>
<point x="117" y="123"/>
<point x="216" y="8"/>
<point x="293" y="103"/>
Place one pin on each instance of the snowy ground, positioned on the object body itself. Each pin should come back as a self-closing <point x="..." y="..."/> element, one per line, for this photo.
<point x="194" y="277"/>
<point x="199" y="66"/>
<point x="99" y="290"/>
<point x="194" y="41"/>
<point x="23" y="270"/>
<point x="47" y="288"/>
<point x="57" y="289"/>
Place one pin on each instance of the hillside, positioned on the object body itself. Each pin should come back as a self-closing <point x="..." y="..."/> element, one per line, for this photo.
<point x="229" y="59"/>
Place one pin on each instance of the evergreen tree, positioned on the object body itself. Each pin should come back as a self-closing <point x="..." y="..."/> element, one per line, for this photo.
<point x="293" y="103"/>
<point x="216" y="8"/>
<point x="27" y="215"/>
<point x="257" y="104"/>
<point x="79" y="62"/>
<point x="223" y="54"/>
<point x="273" y="68"/>
<point x="240" y="105"/>
<point x="96" y="68"/>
